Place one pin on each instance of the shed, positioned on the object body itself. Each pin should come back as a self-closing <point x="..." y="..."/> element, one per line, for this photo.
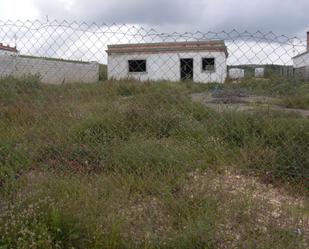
<point x="199" y="61"/>
<point x="236" y="73"/>
<point x="259" y="72"/>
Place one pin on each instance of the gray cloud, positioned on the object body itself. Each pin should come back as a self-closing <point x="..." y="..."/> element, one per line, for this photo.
<point x="288" y="16"/>
<point x="77" y="41"/>
<point x="130" y="11"/>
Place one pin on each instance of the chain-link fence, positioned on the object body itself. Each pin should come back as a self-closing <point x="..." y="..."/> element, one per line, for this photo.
<point x="199" y="137"/>
<point x="77" y="51"/>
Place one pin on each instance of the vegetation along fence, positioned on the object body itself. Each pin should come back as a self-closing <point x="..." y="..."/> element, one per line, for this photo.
<point x="178" y="140"/>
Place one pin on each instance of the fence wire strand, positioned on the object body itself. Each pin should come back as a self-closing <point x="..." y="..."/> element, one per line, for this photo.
<point x="150" y="112"/>
<point x="67" y="52"/>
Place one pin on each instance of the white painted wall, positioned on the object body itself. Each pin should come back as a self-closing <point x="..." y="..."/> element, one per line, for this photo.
<point x="7" y="65"/>
<point x="166" y="66"/>
<point x="51" y="71"/>
<point x="301" y="61"/>
<point x="301" y="66"/>
<point x="259" y="72"/>
<point x="5" y="52"/>
<point x="236" y="73"/>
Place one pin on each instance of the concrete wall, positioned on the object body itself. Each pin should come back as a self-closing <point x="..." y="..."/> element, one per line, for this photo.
<point x="236" y="73"/>
<point x="4" y="52"/>
<point x="301" y="66"/>
<point x="50" y="71"/>
<point x="166" y="66"/>
<point x="302" y="73"/>
<point x="301" y="61"/>
<point x="259" y="72"/>
<point x="7" y="65"/>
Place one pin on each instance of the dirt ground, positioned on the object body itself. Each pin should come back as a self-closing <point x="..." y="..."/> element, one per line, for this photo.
<point x="243" y="102"/>
<point x="271" y="205"/>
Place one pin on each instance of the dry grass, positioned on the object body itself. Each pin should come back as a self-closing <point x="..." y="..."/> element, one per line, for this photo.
<point x="269" y="208"/>
<point x="139" y="165"/>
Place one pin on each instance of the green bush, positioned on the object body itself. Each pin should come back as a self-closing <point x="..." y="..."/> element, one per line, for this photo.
<point x="123" y="165"/>
<point x="101" y="130"/>
<point x="12" y="160"/>
<point x="72" y="157"/>
<point x="139" y="155"/>
<point x="40" y="225"/>
<point x="299" y="101"/>
<point x="11" y="88"/>
<point x="283" y="137"/>
<point x="102" y="72"/>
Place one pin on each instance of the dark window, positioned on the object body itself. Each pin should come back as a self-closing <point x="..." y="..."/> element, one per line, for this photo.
<point x="208" y="64"/>
<point x="137" y="66"/>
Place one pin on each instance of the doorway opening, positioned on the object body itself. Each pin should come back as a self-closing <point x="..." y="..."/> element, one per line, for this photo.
<point x="186" y="69"/>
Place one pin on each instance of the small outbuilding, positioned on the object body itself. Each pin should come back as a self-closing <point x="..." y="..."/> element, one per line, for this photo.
<point x="301" y="63"/>
<point x="7" y="50"/>
<point x="201" y="61"/>
<point x="259" y="72"/>
<point x="236" y="73"/>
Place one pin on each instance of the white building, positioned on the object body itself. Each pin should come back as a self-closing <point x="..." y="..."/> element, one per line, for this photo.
<point x="236" y="73"/>
<point x="301" y="63"/>
<point x="7" y="50"/>
<point x="202" y="61"/>
<point x="259" y="72"/>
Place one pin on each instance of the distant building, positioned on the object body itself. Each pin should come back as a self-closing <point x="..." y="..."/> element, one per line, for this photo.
<point x="236" y="73"/>
<point x="201" y="61"/>
<point x="301" y="63"/>
<point x="259" y="72"/>
<point x="7" y="50"/>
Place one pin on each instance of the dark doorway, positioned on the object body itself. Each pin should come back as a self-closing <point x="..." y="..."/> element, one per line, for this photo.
<point x="186" y="69"/>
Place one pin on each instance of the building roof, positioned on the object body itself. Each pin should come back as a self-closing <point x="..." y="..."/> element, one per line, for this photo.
<point x="299" y="55"/>
<point x="166" y="47"/>
<point x="8" y="48"/>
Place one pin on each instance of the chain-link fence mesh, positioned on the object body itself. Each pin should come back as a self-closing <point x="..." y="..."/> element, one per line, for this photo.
<point x="159" y="106"/>
<point x="77" y="47"/>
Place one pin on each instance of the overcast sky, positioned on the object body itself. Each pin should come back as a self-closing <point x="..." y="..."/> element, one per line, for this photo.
<point x="281" y="16"/>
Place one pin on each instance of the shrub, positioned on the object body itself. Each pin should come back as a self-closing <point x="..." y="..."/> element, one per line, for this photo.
<point x="138" y="155"/>
<point x="102" y="72"/>
<point x="101" y="130"/>
<point x="40" y="225"/>
<point x="300" y="101"/>
<point x="12" y="161"/>
<point x="72" y="157"/>
<point x="279" y="141"/>
<point x="12" y="88"/>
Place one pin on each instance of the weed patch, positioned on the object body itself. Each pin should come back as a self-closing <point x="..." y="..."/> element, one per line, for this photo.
<point x="140" y="165"/>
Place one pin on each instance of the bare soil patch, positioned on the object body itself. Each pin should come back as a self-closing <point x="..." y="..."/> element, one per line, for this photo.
<point x="266" y="205"/>
<point x="239" y="101"/>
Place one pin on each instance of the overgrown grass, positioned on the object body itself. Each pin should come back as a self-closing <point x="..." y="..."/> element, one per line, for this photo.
<point x="139" y="165"/>
<point x="294" y="94"/>
<point x="102" y="72"/>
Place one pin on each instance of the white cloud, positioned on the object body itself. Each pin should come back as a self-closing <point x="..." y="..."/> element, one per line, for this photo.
<point x="89" y="42"/>
<point x="18" y="9"/>
<point x="288" y="16"/>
